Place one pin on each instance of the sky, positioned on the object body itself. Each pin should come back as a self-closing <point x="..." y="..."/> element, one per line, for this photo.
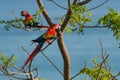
<point x="6" y="6"/>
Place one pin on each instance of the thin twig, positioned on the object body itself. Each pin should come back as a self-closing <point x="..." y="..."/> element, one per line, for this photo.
<point x="101" y="66"/>
<point x="74" y="2"/>
<point x="82" y="70"/>
<point x="114" y="77"/>
<point x="58" y="5"/>
<point x="69" y="4"/>
<point x="25" y="50"/>
<point x="44" y="12"/>
<point x="52" y="63"/>
<point x="69" y="13"/>
<point x="102" y="49"/>
<point x="16" y="68"/>
<point x="17" y="19"/>
<point x="30" y="65"/>
<point x="107" y="67"/>
<point x="67" y="18"/>
<point x="17" y="73"/>
<point x="80" y="3"/>
<point x="11" y="74"/>
<point x="9" y="60"/>
<point x="83" y="2"/>
<point x="48" y="44"/>
<point x="97" y="26"/>
<point x="98" y="5"/>
<point x="30" y="70"/>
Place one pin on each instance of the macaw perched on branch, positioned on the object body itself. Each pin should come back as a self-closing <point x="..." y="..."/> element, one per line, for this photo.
<point x="46" y="37"/>
<point x="29" y="20"/>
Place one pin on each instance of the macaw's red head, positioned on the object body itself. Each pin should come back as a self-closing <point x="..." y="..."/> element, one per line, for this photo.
<point x="57" y="26"/>
<point x="25" y="13"/>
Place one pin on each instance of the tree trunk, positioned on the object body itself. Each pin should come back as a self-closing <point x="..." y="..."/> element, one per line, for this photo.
<point x="65" y="55"/>
<point x="61" y="44"/>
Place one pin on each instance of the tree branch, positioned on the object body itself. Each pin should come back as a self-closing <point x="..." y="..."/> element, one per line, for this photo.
<point x="61" y="44"/>
<point x="44" y="12"/>
<point x="48" y="44"/>
<point x="52" y="63"/>
<point x="101" y="66"/>
<point x="98" y="5"/>
<point x="69" y="13"/>
<point x="83" y="2"/>
<point x="80" y="72"/>
<point x="97" y="26"/>
<point x="57" y="4"/>
<point x="114" y="77"/>
<point x="67" y="18"/>
<point x="30" y="65"/>
<point x="65" y="55"/>
<point x="69" y="4"/>
<point x="30" y="70"/>
<point x="11" y="74"/>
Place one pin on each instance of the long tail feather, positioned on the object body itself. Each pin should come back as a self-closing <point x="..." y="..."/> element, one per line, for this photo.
<point x="32" y="55"/>
<point x="42" y="27"/>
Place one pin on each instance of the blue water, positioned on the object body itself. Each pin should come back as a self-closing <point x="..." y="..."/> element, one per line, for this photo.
<point x="80" y="47"/>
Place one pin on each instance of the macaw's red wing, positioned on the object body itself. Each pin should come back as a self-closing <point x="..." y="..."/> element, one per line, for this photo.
<point x="32" y="55"/>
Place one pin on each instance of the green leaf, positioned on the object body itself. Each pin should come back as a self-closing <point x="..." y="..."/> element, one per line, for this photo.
<point x="68" y="30"/>
<point x="97" y="71"/>
<point x="80" y="16"/>
<point x="112" y="22"/>
<point x="7" y="61"/>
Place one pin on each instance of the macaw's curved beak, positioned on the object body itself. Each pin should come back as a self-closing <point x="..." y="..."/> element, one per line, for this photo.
<point x="22" y="13"/>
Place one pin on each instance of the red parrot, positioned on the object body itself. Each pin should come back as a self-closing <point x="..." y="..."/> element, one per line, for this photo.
<point x="45" y="37"/>
<point x="29" y="21"/>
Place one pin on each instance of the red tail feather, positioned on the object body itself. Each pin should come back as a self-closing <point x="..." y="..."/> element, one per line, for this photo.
<point x="42" y="27"/>
<point x="32" y="55"/>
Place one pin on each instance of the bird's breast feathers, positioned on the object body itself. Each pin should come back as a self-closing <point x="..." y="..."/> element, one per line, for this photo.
<point x="28" y="20"/>
<point x="50" y="33"/>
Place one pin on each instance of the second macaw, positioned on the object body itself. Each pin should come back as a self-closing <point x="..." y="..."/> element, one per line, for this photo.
<point x="29" y="21"/>
<point x="46" y="37"/>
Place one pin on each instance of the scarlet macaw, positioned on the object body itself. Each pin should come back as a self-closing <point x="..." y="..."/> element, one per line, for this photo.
<point x="46" y="37"/>
<point x="29" y="20"/>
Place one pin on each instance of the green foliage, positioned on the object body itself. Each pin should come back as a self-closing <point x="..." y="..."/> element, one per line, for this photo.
<point x="80" y="16"/>
<point x="98" y="71"/>
<point x="93" y="74"/>
<point x="10" y="23"/>
<point x="112" y="21"/>
<point x="37" y="14"/>
<point x="7" y="61"/>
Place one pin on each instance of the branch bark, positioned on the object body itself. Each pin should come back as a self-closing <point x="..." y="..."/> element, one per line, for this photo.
<point x="44" y="12"/>
<point x="68" y="16"/>
<point x="65" y="55"/>
<point x="61" y="44"/>
<point x="83" y="2"/>
<point x="69" y="13"/>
